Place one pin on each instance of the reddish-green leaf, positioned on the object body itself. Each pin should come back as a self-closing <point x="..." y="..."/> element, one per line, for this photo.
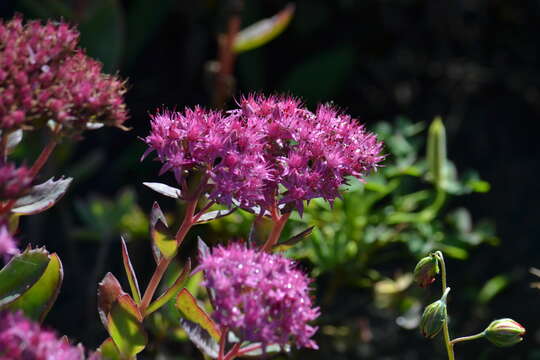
<point x="130" y="273"/>
<point x="201" y="338"/>
<point x="38" y="300"/>
<point x="186" y="303"/>
<point x="125" y="326"/>
<point x="109" y="290"/>
<point x="164" y="243"/>
<point x="23" y="271"/>
<point x="287" y="244"/>
<point x="263" y="31"/>
<point x="42" y="197"/>
<point x="171" y="291"/>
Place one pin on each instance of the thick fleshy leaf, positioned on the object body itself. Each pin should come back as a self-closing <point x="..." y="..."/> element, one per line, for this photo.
<point x="125" y="327"/>
<point x="263" y="31"/>
<point x="287" y="244"/>
<point x="109" y="351"/>
<point x="171" y="291"/>
<point x="164" y="243"/>
<point x="38" y="300"/>
<point x="201" y="338"/>
<point x="109" y="290"/>
<point x="164" y="189"/>
<point x="213" y="215"/>
<point x="186" y="303"/>
<point x="257" y="352"/>
<point x="42" y="197"/>
<point x="130" y="273"/>
<point x="21" y="273"/>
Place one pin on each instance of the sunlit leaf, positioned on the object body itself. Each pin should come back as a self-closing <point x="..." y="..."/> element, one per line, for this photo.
<point x="109" y="351"/>
<point x="130" y="273"/>
<point x="186" y="303"/>
<point x="125" y="326"/>
<point x="258" y="349"/>
<point x="164" y="243"/>
<point x="42" y="197"/>
<point x="38" y="300"/>
<point x="263" y="31"/>
<point x="492" y="287"/>
<point x="164" y="189"/>
<point x="23" y="271"/>
<point x="212" y="215"/>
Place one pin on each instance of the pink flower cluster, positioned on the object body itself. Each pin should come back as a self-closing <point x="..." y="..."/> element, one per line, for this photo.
<point x="269" y="148"/>
<point x="21" y="338"/>
<point x="261" y="297"/>
<point x="14" y="182"/>
<point x="45" y="76"/>
<point x="8" y="245"/>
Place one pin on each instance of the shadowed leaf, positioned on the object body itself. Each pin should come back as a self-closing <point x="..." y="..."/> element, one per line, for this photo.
<point x="38" y="300"/>
<point x="42" y="197"/>
<point x="130" y="273"/>
<point x="23" y="271"/>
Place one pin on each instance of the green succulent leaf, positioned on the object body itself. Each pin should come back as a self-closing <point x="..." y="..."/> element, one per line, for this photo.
<point x="21" y="273"/>
<point x="171" y="291"/>
<point x="262" y="32"/>
<point x="38" y="300"/>
<point x="125" y="327"/>
<point x="164" y="243"/>
<point x="109" y="351"/>
<point x="42" y="197"/>
<point x="191" y="311"/>
<point x="109" y="290"/>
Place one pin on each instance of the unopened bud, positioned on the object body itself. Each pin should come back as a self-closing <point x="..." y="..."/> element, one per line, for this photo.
<point x="434" y="317"/>
<point x="436" y="151"/>
<point x="504" y="332"/>
<point x="426" y="270"/>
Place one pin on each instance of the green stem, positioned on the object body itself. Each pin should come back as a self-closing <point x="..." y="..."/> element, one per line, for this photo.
<point x="446" y="332"/>
<point x="468" y="338"/>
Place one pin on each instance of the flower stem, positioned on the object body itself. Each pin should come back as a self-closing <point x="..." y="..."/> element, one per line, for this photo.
<point x="446" y="333"/>
<point x="468" y="338"/>
<point x="43" y="157"/>
<point x="164" y="262"/>
<point x="233" y="353"/>
<point x="279" y="224"/>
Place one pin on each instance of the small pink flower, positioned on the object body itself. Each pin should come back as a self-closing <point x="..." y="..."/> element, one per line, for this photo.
<point x="14" y="182"/>
<point x="261" y="297"/>
<point x="8" y="245"/>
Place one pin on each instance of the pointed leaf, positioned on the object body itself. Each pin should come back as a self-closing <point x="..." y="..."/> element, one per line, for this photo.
<point x="125" y="327"/>
<point x="263" y="31"/>
<point x="171" y="291"/>
<point x="204" y="250"/>
<point x="42" y="197"/>
<point x="213" y="215"/>
<point x="109" y="290"/>
<point x="38" y="300"/>
<point x="23" y="271"/>
<point x="257" y="352"/>
<point x="200" y="338"/>
<point x="164" y="243"/>
<point x="109" y="351"/>
<point x="186" y="303"/>
<point x="130" y="273"/>
<point x="14" y="139"/>
<point x="164" y="189"/>
<point x="287" y="244"/>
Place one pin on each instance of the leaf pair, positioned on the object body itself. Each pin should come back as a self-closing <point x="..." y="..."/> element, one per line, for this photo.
<point x="31" y="282"/>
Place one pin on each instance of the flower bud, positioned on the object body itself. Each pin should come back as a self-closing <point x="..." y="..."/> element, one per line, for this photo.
<point x="434" y="317"/>
<point x="436" y="151"/>
<point x="425" y="271"/>
<point x="504" y="332"/>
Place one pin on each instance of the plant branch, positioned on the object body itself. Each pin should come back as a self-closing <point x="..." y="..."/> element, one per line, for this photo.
<point x="279" y="224"/>
<point x="468" y="338"/>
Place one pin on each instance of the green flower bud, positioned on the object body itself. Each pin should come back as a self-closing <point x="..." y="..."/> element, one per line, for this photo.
<point x="434" y="317"/>
<point x="436" y="151"/>
<point x="425" y="271"/>
<point x="504" y="332"/>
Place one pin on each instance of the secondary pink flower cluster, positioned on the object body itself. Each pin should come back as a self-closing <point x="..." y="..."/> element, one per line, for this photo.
<point x="269" y="148"/>
<point x="8" y="245"/>
<point x="22" y="339"/>
<point x="261" y="297"/>
<point x="45" y="76"/>
<point x="14" y="182"/>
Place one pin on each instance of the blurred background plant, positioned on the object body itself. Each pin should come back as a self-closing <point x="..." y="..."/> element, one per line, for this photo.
<point x="473" y="62"/>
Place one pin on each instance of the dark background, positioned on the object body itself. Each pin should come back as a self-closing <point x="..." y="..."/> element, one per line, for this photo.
<point x="475" y="62"/>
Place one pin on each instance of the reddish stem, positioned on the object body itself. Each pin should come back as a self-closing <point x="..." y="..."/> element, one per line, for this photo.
<point x="233" y="352"/>
<point x="222" y="342"/>
<point x="163" y="264"/>
<point x="279" y="224"/>
<point x="248" y="349"/>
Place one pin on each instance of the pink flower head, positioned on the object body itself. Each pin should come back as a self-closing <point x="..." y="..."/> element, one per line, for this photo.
<point x="44" y="76"/>
<point x="21" y="338"/>
<point x="8" y="245"/>
<point x="269" y="149"/>
<point x="14" y="182"/>
<point x="261" y="297"/>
